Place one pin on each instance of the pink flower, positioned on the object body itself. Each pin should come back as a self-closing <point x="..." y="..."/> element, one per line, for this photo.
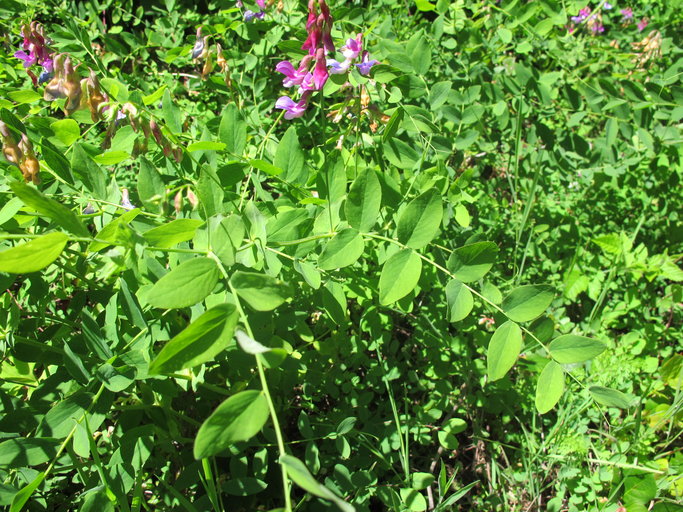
<point x="642" y="24"/>
<point x="320" y="74"/>
<point x="627" y="13"/>
<point x="292" y="109"/>
<point x="353" y="47"/>
<point x="261" y="4"/>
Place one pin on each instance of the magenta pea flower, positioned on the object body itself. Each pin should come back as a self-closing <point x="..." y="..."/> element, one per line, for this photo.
<point x="353" y="47"/>
<point x="261" y="4"/>
<point x="338" y="68"/>
<point x="293" y="109"/>
<point x="642" y="24"/>
<point x="627" y="14"/>
<point x="366" y="64"/>
<point x="320" y="74"/>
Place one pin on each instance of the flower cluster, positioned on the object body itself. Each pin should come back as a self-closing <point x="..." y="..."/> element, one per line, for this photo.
<point x="315" y="68"/>
<point x="20" y="154"/>
<point x="593" y="20"/>
<point x="201" y="50"/>
<point x="311" y="74"/>
<point x="35" y="50"/>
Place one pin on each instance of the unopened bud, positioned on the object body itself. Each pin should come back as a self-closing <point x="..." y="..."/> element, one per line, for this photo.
<point x="192" y="199"/>
<point x="178" y="201"/>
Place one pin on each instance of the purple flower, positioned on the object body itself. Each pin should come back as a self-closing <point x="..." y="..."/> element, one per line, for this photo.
<point x="642" y="24"/>
<point x="597" y="28"/>
<point x="125" y="200"/>
<point x="291" y="108"/>
<point x="292" y="76"/>
<point x="249" y="15"/>
<point x="29" y="59"/>
<point x="353" y="47"/>
<point x="338" y="68"/>
<point x="627" y="13"/>
<point x="607" y="6"/>
<point x="198" y="48"/>
<point x="366" y="64"/>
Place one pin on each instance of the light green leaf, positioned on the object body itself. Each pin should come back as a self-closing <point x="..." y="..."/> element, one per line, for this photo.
<point x="420" y="220"/>
<point x="151" y="187"/>
<point x="112" y="157"/>
<point x="549" y="387"/>
<point x="66" y="131"/>
<point x="400" y="154"/>
<point x="460" y="300"/>
<point x="25" y="493"/>
<point x="342" y="250"/>
<point x="569" y="348"/>
<point x="299" y="474"/>
<point x="155" y="96"/>
<point x="84" y="168"/>
<point x="172" y="233"/>
<point x="33" y="255"/>
<point x="97" y="502"/>
<point x="50" y="208"/>
<point x="262" y="292"/>
<point x="289" y="157"/>
<point x="24" y="96"/>
<point x="206" y="145"/>
<point x="185" y="285"/>
<point x="471" y="262"/>
<point x="399" y="276"/>
<point x="610" y="397"/>
<point x="414" y="500"/>
<point x="199" y="342"/>
<point x="171" y="113"/>
<point x="527" y="302"/>
<point x="504" y="348"/>
<point x="364" y="201"/>
<point x="239" y="418"/>
<point x="233" y="130"/>
<point x="249" y="344"/>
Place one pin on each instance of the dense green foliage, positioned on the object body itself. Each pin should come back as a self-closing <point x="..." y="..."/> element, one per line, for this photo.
<point x="450" y="281"/>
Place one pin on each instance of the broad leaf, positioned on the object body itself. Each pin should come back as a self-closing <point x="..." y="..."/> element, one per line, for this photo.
<point x="420" y="220"/>
<point x="364" y="201"/>
<point x="460" y="300"/>
<point x="33" y="255"/>
<point x="289" y="157"/>
<point x="610" y="397"/>
<point x="471" y="262"/>
<point x="172" y="233"/>
<point x="504" y="348"/>
<point x="260" y="291"/>
<point x="527" y="302"/>
<point x="239" y="418"/>
<point x="570" y="348"/>
<point x="299" y="474"/>
<point x="185" y="285"/>
<point x="342" y="250"/>
<point x="50" y="208"/>
<point x="233" y="130"/>
<point x="199" y="342"/>
<point x="549" y="387"/>
<point x="399" y="276"/>
<point x="27" y="451"/>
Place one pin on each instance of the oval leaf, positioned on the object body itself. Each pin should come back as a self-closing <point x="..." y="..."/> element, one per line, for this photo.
<point x="249" y="344"/>
<point x="527" y="302"/>
<point x="260" y="291"/>
<point x="239" y="418"/>
<point x="27" y="451"/>
<point x="610" y="397"/>
<point x="342" y="250"/>
<point x="33" y="255"/>
<point x="460" y="300"/>
<point x="186" y="285"/>
<point x="172" y="233"/>
<point x="471" y="262"/>
<point x="364" y="201"/>
<point x="199" y="342"/>
<point x="549" y="387"/>
<point x="504" y="348"/>
<point x="420" y="220"/>
<point x="569" y="348"/>
<point x="400" y="275"/>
